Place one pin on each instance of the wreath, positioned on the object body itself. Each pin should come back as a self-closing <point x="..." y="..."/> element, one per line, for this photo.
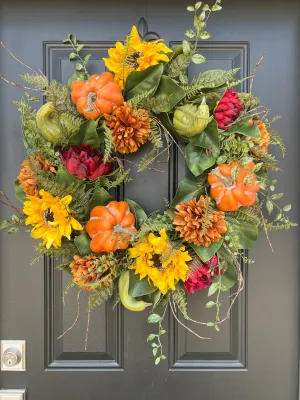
<point x="77" y="144"/>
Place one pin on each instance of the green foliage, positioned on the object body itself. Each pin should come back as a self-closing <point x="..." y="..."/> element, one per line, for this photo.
<point x="82" y="242"/>
<point x="139" y="82"/>
<point x="206" y="253"/>
<point x="198" y="159"/>
<point x="179" y="297"/>
<point x="234" y="147"/>
<point x="188" y="189"/>
<point x="155" y="339"/>
<point x="100" y="296"/>
<point x="155" y="138"/>
<point x="143" y="99"/>
<point x="81" y="71"/>
<point x="66" y="251"/>
<point x="70" y="123"/>
<point x="276" y="140"/>
<point x="59" y="96"/>
<point x="249" y="100"/>
<point x="154" y="223"/>
<point x="87" y="134"/>
<point x="139" y="287"/>
<point x="108" y="142"/>
<point x="169" y="93"/>
<point x="12" y="225"/>
<point x="39" y="81"/>
<point x="138" y="212"/>
<point x="209" y="80"/>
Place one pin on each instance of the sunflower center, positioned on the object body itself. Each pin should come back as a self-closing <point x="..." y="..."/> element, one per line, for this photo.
<point x="48" y="216"/>
<point x="132" y="60"/>
<point x="157" y="262"/>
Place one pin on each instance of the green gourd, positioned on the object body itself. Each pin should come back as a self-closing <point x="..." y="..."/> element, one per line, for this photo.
<point x="190" y="120"/>
<point x="49" y="125"/>
<point x="128" y="301"/>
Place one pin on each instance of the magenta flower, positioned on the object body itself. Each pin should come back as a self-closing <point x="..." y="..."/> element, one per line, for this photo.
<point x="85" y="162"/>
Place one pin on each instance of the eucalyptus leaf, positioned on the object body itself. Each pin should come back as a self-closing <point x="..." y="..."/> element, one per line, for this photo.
<point x="198" y="159"/>
<point x="188" y="189"/>
<point x="139" y="82"/>
<point x="139" y="287"/>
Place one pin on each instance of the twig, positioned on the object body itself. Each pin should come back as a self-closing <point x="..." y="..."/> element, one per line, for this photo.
<point x="9" y="203"/>
<point x="18" y="84"/>
<point x="87" y="327"/>
<point x="266" y="231"/>
<point x="19" y="61"/>
<point x="77" y="316"/>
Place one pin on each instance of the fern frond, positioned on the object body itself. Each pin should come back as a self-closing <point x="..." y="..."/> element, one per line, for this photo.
<point x="180" y="300"/>
<point x="39" y="81"/>
<point x="122" y="178"/>
<point x="70" y="123"/>
<point x="108" y="142"/>
<point x="277" y="226"/>
<point x="100" y="296"/>
<point x="155" y="138"/>
<point x="247" y="214"/>
<point x="60" y="97"/>
<point x="155" y="223"/>
<point x="276" y="140"/>
<point x="178" y="65"/>
<point x="140" y="99"/>
<point x="67" y="250"/>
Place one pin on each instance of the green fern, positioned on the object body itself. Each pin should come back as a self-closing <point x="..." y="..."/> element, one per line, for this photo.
<point x="59" y="96"/>
<point x="276" y="140"/>
<point x="180" y="300"/>
<point x="176" y="66"/>
<point x="108" y="142"/>
<point x="155" y="223"/>
<point x="248" y="214"/>
<point x="70" y="123"/>
<point x="122" y="178"/>
<point x="67" y="250"/>
<point x="155" y="138"/>
<point x="39" y="81"/>
<point x="140" y="99"/>
<point x="100" y="296"/>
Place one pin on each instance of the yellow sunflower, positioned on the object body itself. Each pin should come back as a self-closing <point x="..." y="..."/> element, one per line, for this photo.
<point x="160" y="261"/>
<point x="50" y="217"/>
<point x="134" y="55"/>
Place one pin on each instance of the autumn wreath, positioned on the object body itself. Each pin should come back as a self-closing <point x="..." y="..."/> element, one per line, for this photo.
<point x="77" y="144"/>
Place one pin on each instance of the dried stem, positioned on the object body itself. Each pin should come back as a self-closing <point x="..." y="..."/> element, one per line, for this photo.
<point x="9" y="203"/>
<point x="77" y="316"/>
<point x="18" y="84"/>
<point x="87" y="327"/>
<point x="19" y="61"/>
<point x="266" y="231"/>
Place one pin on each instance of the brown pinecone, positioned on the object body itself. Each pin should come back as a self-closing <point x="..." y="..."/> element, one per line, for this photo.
<point x="27" y="176"/>
<point x="130" y="128"/>
<point x="98" y="270"/>
<point x="198" y="224"/>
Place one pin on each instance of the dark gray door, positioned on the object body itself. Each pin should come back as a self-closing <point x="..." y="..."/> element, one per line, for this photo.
<point x="255" y="356"/>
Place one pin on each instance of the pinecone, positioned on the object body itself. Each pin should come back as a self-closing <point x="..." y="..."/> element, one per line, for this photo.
<point x="93" y="272"/>
<point x="130" y="128"/>
<point x="228" y="109"/>
<point x="27" y="176"/>
<point x="261" y="144"/>
<point x="198" y="224"/>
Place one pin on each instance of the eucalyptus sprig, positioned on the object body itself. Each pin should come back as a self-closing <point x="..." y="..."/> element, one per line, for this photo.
<point x="81" y="64"/>
<point x="155" y="338"/>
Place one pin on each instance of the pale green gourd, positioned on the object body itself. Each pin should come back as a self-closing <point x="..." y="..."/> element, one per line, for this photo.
<point x="190" y="120"/>
<point x="48" y="124"/>
<point x="128" y="301"/>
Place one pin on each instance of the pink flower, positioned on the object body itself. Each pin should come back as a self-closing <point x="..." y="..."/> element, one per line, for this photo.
<point x="201" y="278"/>
<point x="85" y="162"/>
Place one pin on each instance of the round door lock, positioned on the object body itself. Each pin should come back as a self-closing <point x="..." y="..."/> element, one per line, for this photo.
<point x="11" y="357"/>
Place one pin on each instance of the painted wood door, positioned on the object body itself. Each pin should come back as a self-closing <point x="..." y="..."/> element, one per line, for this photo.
<point x="255" y="356"/>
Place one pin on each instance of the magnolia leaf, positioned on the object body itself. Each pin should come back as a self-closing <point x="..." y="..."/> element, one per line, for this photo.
<point x="77" y="76"/>
<point x="243" y="128"/>
<point x="64" y="177"/>
<point x="139" y="82"/>
<point x="87" y="134"/>
<point x="82" y="243"/>
<point x="138" y="212"/>
<point x="188" y="189"/>
<point x="19" y="192"/>
<point x="206" y="253"/>
<point x="165" y="119"/>
<point x="101" y="197"/>
<point x="208" y="139"/>
<point x="198" y="159"/>
<point x="139" y="287"/>
<point x="169" y="93"/>
<point x="228" y="279"/>
<point x="152" y="298"/>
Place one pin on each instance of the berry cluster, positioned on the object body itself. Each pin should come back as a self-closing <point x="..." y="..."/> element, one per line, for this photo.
<point x="228" y="109"/>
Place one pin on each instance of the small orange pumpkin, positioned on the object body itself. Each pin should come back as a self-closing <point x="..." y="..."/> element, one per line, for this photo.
<point x="230" y="194"/>
<point x="110" y="227"/>
<point x="96" y="96"/>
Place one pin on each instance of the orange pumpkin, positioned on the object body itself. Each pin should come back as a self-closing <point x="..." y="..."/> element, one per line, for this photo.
<point x="110" y="227"/>
<point x="231" y="193"/>
<point x="96" y="96"/>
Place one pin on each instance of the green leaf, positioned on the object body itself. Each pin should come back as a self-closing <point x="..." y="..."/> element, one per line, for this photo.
<point x="269" y="206"/>
<point x="19" y="192"/>
<point x="154" y="351"/>
<point x="287" y="208"/>
<point x="87" y="134"/>
<point x="87" y="58"/>
<point x="139" y="213"/>
<point x="186" y="47"/>
<point x="190" y="8"/>
<point x="72" y="56"/>
<point x="210" y="324"/>
<point x="169" y="92"/>
<point x="151" y="337"/>
<point x="212" y="290"/>
<point x="139" y="82"/>
<point x="205" y="7"/>
<point x="77" y="76"/>
<point x="100" y="197"/>
<point x="165" y="119"/>
<point x="216" y="7"/>
<point x="188" y="189"/>
<point x="152" y="298"/>
<point x="208" y="139"/>
<point x="206" y="253"/>
<point x="153" y="318"/>
<point x="228" y="279"/>
<point x="198" y="59"/>
<point x="247" y="233"/>
<point x="64" y="177"/>
<point x="243" y="128"/>
<point x="190" y="33"/>
<point x="82" y="243"/>
<point x="210" y="304"/>
<point x="157" y="360"/>
<point x="139" y="287"/>
<point x="198" y="5"/>
<point x="197" y="159"/>
<point x="205" y="35"/>
<point x="64" y="267"/>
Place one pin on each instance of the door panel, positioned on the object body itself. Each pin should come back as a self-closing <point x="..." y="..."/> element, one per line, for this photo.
<point x="255" y="356"/>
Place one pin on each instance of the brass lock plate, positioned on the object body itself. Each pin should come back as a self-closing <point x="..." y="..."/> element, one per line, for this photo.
<point x="13" y="355"/>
